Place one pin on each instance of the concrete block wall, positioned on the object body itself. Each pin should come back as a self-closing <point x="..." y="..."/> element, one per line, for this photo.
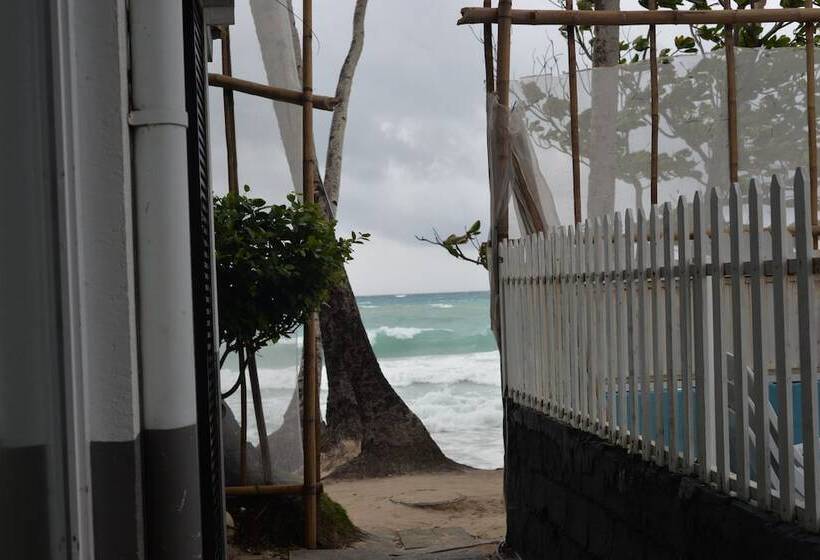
<point x="571" y="495"/>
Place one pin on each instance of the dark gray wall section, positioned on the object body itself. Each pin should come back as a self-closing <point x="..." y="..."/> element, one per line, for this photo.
<point x="571" y="495"/>
<point x="34" y="515"/>
<point x="171" y="490"/>
<point x="23" y="497"/>
<point x="116" y="477"/>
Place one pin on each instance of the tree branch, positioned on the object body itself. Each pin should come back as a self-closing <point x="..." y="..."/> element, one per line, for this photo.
<point x="333" y="165"/>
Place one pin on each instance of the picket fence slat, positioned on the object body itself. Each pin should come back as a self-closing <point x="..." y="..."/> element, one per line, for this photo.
<point x="739" y="378"/>
<point x="611" y="328"/>
<point x="671" y="380"/>
<point x="785" y="406"/>
<point x="700" y="326"/>
<point x="657" y="367"/>
<point x="808" y="359"/>
<point x="601" y="331"/>
<point x="642" y="370"/>
<point x="718" y="358"/>
<point x="629" y="387"/>
<point x="760" y="388"/>
<point x="686" y="377"/>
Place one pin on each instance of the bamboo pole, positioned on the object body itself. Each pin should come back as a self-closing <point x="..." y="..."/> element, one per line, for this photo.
<point x="229" y="83"/>
<point x="489" y="77"/>
<point x="653" y="85"/>
<point x="471" y="16"/>
<point x="731" y="91"/>
<point x="311" y="401"/>
<point x="268" y="490"/>
<point x="573" y="118"/>
<point x="230" y="118"/>
<point x="503" y="92"/>
<point x="812" y="118"/>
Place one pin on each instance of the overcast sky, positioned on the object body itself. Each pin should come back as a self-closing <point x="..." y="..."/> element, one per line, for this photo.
<point x="415" y="152"/>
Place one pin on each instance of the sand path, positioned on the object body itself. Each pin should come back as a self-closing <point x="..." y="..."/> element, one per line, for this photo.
<point x="476" y="502"/>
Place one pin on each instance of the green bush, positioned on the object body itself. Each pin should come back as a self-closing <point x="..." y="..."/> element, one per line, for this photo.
<point x="275" y="264"/>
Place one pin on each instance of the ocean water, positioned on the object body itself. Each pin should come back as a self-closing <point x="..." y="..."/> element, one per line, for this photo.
<point x="439" y="354"/>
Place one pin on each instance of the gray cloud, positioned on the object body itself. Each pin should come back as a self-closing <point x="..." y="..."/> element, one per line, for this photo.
<point x="415" y="152"/>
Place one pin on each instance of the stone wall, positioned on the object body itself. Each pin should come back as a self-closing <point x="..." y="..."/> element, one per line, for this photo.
<point x="571" y="495"/>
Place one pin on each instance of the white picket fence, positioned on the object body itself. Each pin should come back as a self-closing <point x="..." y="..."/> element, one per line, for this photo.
<point x="600" y="318"/>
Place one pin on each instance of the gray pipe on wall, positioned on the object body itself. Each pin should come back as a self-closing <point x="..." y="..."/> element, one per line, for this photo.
<point x="159" y="120"/>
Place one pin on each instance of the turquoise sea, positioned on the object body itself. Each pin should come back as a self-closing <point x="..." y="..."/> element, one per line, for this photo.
<point x="439" y="354"/>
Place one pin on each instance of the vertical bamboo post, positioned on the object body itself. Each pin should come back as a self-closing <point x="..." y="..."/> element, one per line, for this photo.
<point x="503" y="91"/>
<point x="573" y="119"/>
<point x="653" y="84"/>
<point x="503" y="159"/>
<point x="810" y="112"/>
<point x="489" y="77"/>
<point x="729" y="40"/>
<point x="230" y="118"/>
<point x="311" y="401"/>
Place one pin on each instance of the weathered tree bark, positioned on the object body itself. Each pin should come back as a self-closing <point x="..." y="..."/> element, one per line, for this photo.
<point x="603" y="159"/>
<point x="364" y="412"/>
<point x="370" y="430"/>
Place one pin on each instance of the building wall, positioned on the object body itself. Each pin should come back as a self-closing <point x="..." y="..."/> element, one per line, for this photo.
<point x="106" y="270"/>
<point x="571" y="495"/>
<point x="98" y="454"/>
<point x="34" y="521"/>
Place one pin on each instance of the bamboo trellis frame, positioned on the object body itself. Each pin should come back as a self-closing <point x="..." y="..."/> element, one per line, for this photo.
<point x="311" y="488"/>
<point x="505" y="17"/>
<point x="230" y="83"/>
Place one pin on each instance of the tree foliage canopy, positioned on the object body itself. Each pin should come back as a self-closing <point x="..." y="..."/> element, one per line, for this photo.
<point x="275" y="263"/>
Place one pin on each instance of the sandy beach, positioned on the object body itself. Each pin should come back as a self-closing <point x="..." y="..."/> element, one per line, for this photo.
<point x="471" y="500"/>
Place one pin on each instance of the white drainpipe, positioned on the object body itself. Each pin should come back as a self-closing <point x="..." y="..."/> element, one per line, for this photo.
<point x="159" y="121"/>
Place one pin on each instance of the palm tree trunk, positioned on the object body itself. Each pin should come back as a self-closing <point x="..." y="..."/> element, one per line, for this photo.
<point x="364" y="412"/>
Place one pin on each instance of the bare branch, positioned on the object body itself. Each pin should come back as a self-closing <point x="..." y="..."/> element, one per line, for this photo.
<point x="333" y="165"/>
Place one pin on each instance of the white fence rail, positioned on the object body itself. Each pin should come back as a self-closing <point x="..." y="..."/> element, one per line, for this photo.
<point x="683" y="337"/>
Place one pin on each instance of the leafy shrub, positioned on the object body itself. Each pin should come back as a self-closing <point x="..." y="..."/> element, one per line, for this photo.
<point x="275" y="264"/>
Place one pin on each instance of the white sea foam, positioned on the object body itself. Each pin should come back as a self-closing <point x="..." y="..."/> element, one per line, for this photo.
<point x="450" y="409"/>
<point x="481" y="368"/>
<point x="458" y="398"/>
<point x="400" y="296"/>
<point x="442" y="305"/>
<point x="466" y="423"/>
<point x="400" y="333"/>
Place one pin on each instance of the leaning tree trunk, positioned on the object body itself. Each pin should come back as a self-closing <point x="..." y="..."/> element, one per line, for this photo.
<point x="368" y="425"/>
<point x="364" y="413"/>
